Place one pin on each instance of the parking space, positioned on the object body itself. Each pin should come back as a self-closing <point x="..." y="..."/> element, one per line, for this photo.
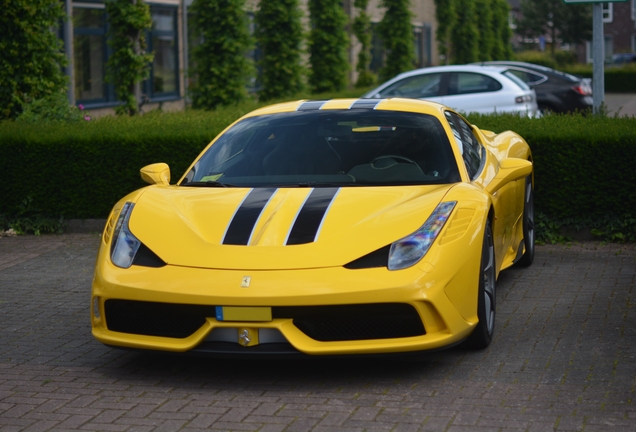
<point x="564" y="358"/>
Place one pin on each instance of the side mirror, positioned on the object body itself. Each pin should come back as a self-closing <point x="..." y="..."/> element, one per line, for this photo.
<point x="158" y="173"/>
<point x="510" y="169"/>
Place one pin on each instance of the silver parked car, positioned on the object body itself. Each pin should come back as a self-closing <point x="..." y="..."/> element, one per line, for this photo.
<point x="480" y="89"/>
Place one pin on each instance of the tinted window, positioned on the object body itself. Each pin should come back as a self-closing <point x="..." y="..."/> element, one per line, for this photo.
<point x="344" y="148"/>
<point x="469" y="145"/>
<point x="420" y="86"/>
<point x="467" y="82"/>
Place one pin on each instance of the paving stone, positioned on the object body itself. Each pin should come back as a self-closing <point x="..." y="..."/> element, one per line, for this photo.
<point x="563" y="357"/>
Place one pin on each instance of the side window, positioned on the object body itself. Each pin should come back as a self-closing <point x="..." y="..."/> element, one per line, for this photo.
<point x="467" y="82"/>
<point x="420" y="86"/>
<point x="469" y="146"/>
<point x="527" y="77"/>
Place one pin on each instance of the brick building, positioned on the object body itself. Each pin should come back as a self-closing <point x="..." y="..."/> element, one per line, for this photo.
<point x="85" y="37"/>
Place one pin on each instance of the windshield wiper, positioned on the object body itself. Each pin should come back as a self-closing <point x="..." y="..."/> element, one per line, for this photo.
<point x="209" y="183"/>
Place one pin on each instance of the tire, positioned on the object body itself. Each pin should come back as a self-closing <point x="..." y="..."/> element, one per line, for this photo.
<point x="486" y="300"/>
<point x="528" y="226"/>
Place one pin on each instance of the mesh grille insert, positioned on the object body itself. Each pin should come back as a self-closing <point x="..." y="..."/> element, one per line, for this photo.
<point x="321" y="323"/>
<point x="354" y="322"/>
<point x="155" y="319"/>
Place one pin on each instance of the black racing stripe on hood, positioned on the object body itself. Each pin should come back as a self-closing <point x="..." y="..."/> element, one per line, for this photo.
<point x="309" y="219"/>
<point x="311" y="105"/>
<point x="365" y="103"/>
<point x="244" y="221"/>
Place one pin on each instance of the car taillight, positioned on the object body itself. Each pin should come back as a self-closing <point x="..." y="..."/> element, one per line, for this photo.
<point x="523" y="99"/>
<point x="582" y="90"/>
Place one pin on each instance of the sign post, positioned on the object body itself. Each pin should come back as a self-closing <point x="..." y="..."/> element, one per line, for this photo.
<point x="598" y="51"/>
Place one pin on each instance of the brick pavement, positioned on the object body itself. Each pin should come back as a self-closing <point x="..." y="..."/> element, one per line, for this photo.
<point x="563" y="358"/>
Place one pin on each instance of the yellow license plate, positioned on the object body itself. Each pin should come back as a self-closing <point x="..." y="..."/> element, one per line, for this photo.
<point x="233" y="313"/>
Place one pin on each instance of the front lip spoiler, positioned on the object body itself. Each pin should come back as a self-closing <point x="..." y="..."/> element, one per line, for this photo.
<point x="275" y="351"/>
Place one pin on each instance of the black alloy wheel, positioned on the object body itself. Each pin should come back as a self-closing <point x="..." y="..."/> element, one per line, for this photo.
<point x="528" y="225"/>
<point x="486" y="300"/>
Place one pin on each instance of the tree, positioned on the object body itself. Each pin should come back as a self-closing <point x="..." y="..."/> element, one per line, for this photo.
<point x="31" y="55"/>
<point x="465" y="34"/>
<point x="501" y="49"/>
<point x="362" y="31"/>
<point x="328" y="44"/>
<point x="396" y="32"/>
<point x="446" y="17"/>
<point x="568" y="22"/>
<point x="487" y="33"/>
<point x="279" y="35"/>
<point x="221" y="67"/>
<point x="128" y="65"/>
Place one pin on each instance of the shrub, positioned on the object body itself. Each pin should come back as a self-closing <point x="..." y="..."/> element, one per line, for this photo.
<point x="128" y="65"/>
<point x="32" y="57"/>
<point x="328" y="44"/>
<point x="396" y="32"/>
<point x="221" y="68"/>
<point x="362" y="30"/>
<point x="465" y="33"/>
<point x="279" y="35"/>
<point x="54" y="107"/>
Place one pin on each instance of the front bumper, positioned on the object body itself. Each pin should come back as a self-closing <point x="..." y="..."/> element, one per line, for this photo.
<point x="441" y="299"/>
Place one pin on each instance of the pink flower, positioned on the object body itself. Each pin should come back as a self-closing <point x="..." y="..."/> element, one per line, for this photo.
<point x="87" y="118"/>
<point x="80" y="106"/>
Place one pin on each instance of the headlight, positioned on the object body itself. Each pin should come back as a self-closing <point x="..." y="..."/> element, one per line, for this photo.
<point x="125" y="244"/>
<point x="410" y="250"/>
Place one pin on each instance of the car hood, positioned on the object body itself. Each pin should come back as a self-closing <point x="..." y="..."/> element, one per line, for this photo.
<point x="284" y="228"/>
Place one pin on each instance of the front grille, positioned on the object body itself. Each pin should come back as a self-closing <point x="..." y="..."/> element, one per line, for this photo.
<point x="321" y="323"/>
<point x="155" y="319"/>
<point x="354" y="322"/>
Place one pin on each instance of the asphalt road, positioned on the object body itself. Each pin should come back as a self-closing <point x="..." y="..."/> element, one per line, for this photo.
<point x="564" y="358"/>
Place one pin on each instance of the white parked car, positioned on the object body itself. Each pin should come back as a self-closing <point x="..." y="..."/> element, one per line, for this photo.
<point x="468" y="88"/>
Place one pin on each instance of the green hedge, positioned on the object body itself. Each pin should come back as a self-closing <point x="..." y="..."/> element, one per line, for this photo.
<point x="585" y="167"/>
<point x="79" y="170"/>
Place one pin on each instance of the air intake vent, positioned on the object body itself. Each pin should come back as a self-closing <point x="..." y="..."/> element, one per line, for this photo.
<point x="458" y="225"/>
<point x="354" y="322"/>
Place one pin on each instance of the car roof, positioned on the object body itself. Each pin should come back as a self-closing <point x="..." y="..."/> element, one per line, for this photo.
<point x="533" y="68"/>
<point x="453" y="68"/>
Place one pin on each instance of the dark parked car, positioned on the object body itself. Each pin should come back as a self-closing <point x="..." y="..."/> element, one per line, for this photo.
<point x="556" y="91"/>
<point x="623" y="59"/>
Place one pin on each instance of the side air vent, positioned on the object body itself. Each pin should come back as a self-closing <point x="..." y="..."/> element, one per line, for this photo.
<point x="110" y="226"/>
<point x="458" y="225"/>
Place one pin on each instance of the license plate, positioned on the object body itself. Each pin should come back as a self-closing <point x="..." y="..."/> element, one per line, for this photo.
<point x="232" y="313"/>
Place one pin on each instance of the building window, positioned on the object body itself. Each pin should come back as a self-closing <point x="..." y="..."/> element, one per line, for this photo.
<point x="608" y="12"/>
<point x="89" y="54"/>
<point x="162" y="40"/>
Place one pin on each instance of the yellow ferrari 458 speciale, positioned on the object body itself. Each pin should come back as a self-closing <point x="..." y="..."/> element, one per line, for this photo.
<point x="348" y="226"/>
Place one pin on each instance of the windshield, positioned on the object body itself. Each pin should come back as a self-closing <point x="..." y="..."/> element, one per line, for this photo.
<point x="328" y="148"/>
